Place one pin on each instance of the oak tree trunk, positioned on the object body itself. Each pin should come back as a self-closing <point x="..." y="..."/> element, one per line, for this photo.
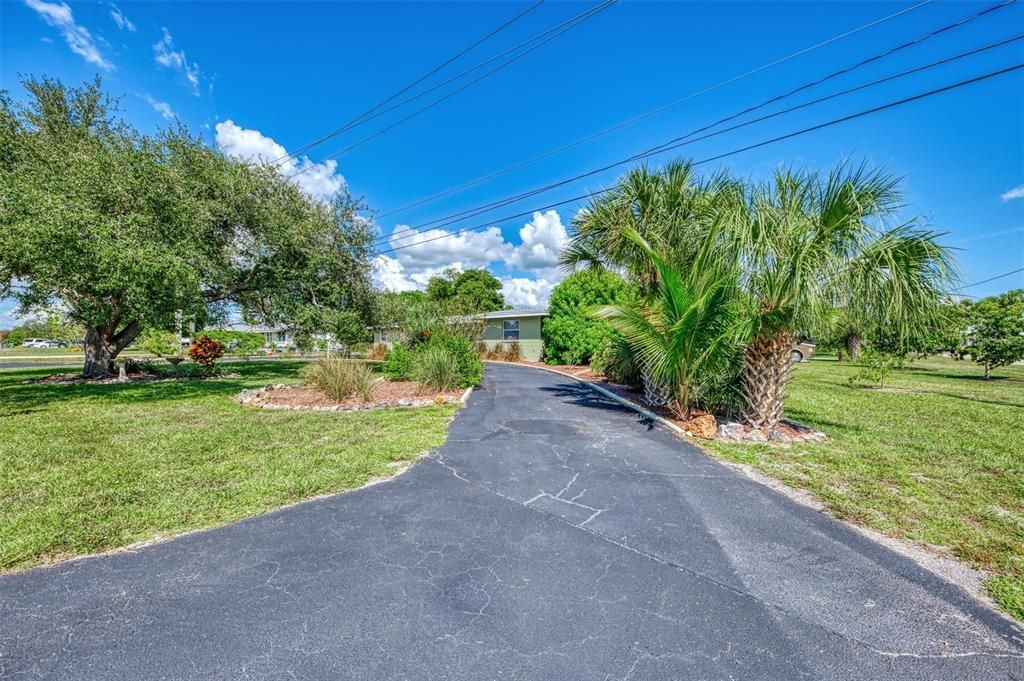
<point x="103" y="344"/>
<point x="766" y="365"/>
<point x="853" y="343"/>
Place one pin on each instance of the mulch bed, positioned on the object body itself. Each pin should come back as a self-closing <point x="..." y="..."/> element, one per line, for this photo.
<point x="385" y="394"/>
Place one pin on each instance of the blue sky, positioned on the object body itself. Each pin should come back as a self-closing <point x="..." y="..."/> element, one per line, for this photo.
<point x="257" y="78"/>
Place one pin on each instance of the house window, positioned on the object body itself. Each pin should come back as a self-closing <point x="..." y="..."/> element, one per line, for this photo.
<point x="383" y="336"/>
<point x="282" y="336"/>
<point x="510" y="330"/>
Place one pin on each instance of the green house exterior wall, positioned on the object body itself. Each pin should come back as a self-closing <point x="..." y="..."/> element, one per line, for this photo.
<point x="530" y="344"/>
<point x="529" y="336"/>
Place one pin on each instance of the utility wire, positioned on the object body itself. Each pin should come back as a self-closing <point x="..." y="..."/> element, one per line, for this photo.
<point x="652" y="112"/>
<point x="820" y="126"/>
<point x="357" y="120"/>
<point x="985" y="281"/>
<point x="683" y="141"/>
<point x="567" y="26"/>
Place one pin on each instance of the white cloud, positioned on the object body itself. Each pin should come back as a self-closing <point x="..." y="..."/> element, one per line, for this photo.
<point x="439" y="248"/>
<point x="543" y="239"/>
<point x="319" y="181"/>
<point x="1015" y="193"/>
<point x="77" y="37"/>
<point x="123" y="22"/>
<point x="541" y="242"/>
<point x="162" y="108"/>
<point x="388" y="275"/>
<point x="166" y="55"/>
<point x="523" y="292"/>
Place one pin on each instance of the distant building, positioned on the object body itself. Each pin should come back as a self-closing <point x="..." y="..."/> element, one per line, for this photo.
<point x="521" y="326"/>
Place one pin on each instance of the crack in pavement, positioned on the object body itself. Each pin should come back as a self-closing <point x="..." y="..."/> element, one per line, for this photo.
<point x="438" y="458"/>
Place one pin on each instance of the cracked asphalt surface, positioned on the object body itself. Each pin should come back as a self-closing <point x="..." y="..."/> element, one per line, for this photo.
<point x="556" y="535"/>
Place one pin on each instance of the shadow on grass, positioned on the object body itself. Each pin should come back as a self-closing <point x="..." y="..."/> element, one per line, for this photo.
<point x="22" y="398"/>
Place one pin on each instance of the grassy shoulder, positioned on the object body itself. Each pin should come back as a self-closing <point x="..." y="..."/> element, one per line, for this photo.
<point x="935" y="458"/>
<point x="87" y="468"/>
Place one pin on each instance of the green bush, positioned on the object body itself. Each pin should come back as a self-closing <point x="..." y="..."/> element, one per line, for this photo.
<point x="570" y="335"/>
<point x="243" y="344"/>
<point x="398" y="363"/>
<point x="436" y="367"/>
<point x="876" y="365"/>
<point x="159" y="343"/>
<point x="341" y="378"/>
<point x="468" y="364"/>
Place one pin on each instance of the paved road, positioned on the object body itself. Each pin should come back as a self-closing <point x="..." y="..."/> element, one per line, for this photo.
<point x="554" y="536"/>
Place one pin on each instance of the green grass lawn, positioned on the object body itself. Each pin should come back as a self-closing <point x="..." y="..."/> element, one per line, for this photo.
<point x="90" y="468"/>
<point x="942" y="466"/>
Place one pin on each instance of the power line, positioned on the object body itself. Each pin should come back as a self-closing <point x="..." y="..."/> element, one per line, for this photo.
<point x="568" y="26"/>
<point x="356" y="121"/>
<point x="820" y="126"/>
<point x="655" y="111"/>
<point x="478" y="210"/>
<point x="676" y="143"/>
<point x="985" y="281"/>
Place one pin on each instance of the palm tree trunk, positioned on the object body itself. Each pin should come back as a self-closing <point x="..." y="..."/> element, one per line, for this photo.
<point x="765" y="375"/>
<point x="853" y="343"/>
<point x="655" y="394"/>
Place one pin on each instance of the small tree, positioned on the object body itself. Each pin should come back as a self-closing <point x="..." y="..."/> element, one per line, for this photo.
<point x="466" y="292"/>
<point x="688" y="327"/>
<point x="995" y="336"/>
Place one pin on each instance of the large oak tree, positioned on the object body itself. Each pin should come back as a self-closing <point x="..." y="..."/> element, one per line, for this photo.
<point x="124" y="229"/>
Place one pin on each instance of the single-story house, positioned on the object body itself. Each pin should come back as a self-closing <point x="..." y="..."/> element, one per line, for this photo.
<point x="521" y="326"/>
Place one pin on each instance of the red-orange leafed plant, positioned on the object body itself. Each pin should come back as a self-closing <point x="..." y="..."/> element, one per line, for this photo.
<point x="205" y="351"/>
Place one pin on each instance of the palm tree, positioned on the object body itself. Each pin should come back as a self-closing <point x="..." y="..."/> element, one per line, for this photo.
<point x="669" y="209"/>
<point x="808" y="244"/>
<point x="689" y="325"/>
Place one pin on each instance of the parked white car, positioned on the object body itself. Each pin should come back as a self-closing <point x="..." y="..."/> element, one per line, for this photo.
<point x="40" y="343"/>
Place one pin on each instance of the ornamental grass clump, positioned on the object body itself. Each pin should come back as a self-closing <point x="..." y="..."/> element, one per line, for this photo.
<point x="341" y="378"/>
<point x="437" y="368"/>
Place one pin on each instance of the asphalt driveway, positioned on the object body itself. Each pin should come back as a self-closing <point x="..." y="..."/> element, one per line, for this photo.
<point x="556" y="535"/>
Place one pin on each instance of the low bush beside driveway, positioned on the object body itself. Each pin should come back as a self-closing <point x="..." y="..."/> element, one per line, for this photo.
<point x="87" y="468"/>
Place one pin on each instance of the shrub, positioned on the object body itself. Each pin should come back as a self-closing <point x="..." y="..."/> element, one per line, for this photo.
<point x="378" y="351"/>
<point x="205" y="352"/>
<point x="876" y="365"/>
<point x="242" y="344"/>
<point x="398" y="363"/>
<point x="159" y="343"/>
<point x="469" y="366"/>
<point x="509" y="351"/>
<point x="341" y="378"/>
<point x="571" y="335"/>
<point x="436" y="367"/>
<point x="513" y="352"/>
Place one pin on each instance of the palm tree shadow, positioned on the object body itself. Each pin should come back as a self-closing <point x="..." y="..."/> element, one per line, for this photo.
<point x="584" y="396"/>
